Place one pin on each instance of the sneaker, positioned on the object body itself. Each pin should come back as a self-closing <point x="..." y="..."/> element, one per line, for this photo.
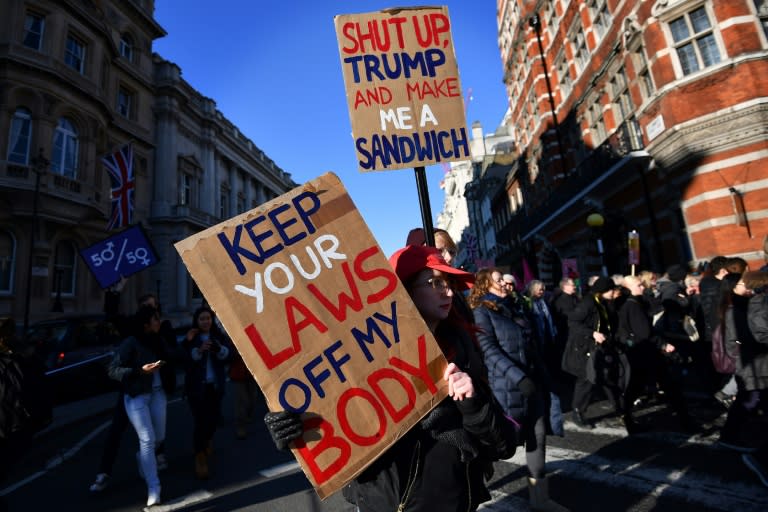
<point x="725" y="400"/>
<point x="162" y="462"/>
<point x="757" y="468"/>
<point x="101" y="483"/>
<point x="154" y="497"/>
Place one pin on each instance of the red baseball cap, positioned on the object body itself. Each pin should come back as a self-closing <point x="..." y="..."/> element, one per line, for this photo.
<point x="412" y="259"/>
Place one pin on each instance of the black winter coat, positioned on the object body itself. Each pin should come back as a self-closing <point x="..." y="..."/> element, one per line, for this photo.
<point x="422" y="472"/>
<point x="753" y="362"/>
<point x="131" y="355"/>
<point x="582" y="323"/>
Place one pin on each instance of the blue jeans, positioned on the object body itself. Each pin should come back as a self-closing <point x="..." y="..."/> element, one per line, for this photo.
<point x="147" y="413"/>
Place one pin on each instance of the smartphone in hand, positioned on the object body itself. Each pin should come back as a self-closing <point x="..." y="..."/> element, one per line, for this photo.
<point x="159" y="362"/>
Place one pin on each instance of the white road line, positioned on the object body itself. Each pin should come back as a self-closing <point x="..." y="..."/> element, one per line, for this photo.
<point x="280" y="469"/>
<point x="184" y="501"/>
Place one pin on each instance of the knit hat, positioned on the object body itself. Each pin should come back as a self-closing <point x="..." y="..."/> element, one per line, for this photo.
<point x="412" y="259"/>
<point x="677" y="272"/>
<point x="602" y="285"/>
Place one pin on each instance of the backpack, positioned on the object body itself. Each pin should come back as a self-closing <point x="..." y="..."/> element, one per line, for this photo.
<point x="722" y="362"/>
<point x="25" y="401"/>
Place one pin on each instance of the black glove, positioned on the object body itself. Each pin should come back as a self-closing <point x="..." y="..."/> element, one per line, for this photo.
<point x="527" y="387"/>
<point x="284" y="427"/>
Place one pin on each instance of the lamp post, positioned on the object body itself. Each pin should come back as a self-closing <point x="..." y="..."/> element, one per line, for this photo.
<point x="39" y="165"/>
<point x="596" y="221"/>
<point x="535" y="24"/>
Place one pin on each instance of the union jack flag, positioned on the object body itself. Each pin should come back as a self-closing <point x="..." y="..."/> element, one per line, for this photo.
<point x="120" y="168"/>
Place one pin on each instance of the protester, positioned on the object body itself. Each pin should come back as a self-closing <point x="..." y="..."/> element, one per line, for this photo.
<point x="709" y="296"/>
<point x="644" y="350"/>
<point x="120" y="422"/>
<point x="25" y="406"/>
<point x="752" y="367"/>
<point x="590" y="325"/>
<point x="737" y="337"/>
<point x="140" y="365"/>
<point x="208" y="353"/>
<point x="519" y="378"/>
<point x="440" y="463"/>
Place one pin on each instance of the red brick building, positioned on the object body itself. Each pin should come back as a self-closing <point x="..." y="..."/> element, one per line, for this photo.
<point x="660" y="125"/>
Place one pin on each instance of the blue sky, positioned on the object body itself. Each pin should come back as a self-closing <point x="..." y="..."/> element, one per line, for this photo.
<point x="273" y="69"/>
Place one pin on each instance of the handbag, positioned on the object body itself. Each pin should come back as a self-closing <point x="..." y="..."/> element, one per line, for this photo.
<point x="722" y="362"/>
<point x="608" y="366"/>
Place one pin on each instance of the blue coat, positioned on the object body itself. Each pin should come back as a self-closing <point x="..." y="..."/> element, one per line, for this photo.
<point x="510" y="355"/>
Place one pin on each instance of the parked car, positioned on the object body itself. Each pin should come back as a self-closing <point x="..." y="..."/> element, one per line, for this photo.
<point x="76" y="350"/>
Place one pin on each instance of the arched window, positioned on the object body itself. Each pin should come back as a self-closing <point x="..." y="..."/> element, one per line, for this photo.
<point x="20" y="137"/>
<point x="64" y="269"/>
<point x="126" y="47"/>
<point x="65" y="149"/>
<point x="7" y="258"/>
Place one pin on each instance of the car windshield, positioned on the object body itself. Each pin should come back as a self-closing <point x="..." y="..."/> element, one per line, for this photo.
<point x="47" y="333"/>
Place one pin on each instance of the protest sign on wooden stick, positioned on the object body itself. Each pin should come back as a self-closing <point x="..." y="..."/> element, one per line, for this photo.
<point x="323" y="324"/>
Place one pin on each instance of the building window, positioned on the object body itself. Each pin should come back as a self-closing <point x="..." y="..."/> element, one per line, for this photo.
<point x="643" y="73"/>
<point x="580" y="50"/>
<point x="20" y="137"/>
<point x="34" y="25"/>
<point x="224" y="203"/>
<point x="126" y="47"/>
<point x="596" y="125"/>
<point x="125" y="103"/>
<point x="64" y="262"/>
<point x="533" y="108"/>
<point x="621" y="98"/>
<point x="601" y="17"/>
<point x="550" y="18"/>
<point x="186" y="189"/>
<point x="564" y="76"/>
<point x="7" y="258"/>
<point x="694" y="41"/>
<point x="74" y="55"/>
<point x="65" y="149"/>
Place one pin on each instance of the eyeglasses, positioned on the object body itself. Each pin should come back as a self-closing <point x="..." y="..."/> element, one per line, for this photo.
<point x="438" y="283"/>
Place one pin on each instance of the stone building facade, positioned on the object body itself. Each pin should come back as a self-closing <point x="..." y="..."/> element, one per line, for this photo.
<point x="78" y="80"/>
<point x="650" y="113"/>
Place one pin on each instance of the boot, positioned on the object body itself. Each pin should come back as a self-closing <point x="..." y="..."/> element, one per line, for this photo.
<point x="538" y="490"/>
<point x="201" y="465"/>
<point x="578" y="419"/>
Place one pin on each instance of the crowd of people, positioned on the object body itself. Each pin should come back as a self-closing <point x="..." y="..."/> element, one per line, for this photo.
<point x="633" y="338"/>
<point x="519" y="358"/>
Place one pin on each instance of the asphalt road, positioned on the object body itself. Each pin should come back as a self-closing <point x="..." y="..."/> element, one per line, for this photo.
<point x="599" y="470"/>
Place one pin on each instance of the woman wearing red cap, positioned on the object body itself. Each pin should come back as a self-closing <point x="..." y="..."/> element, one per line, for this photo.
<point x="440" y="464"/>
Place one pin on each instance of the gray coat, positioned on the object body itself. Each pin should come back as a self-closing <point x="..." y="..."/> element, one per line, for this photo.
<point x="753" y="363"/>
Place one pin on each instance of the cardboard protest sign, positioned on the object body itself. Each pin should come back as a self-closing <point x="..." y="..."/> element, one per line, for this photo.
<point x="323" y="323"/>
<point x="403" y="88"/>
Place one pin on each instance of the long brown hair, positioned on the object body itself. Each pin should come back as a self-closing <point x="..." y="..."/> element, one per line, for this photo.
<point x="482" y="286"/>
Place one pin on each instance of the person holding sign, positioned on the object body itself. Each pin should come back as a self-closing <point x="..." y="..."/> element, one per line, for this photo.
<point x="204" y="382"/>
<point x="519" y="377"/>
<point x="440" y="463"/>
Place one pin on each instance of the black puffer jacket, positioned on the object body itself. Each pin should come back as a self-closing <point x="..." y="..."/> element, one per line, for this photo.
<point x="441" y="463"/>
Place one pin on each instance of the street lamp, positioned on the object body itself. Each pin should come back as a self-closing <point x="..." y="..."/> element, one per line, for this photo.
<point x="39" y="165"/>
<point x="596" y="221"/>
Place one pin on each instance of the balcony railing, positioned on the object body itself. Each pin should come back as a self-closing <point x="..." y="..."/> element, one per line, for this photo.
<point x="624" y="140"/>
